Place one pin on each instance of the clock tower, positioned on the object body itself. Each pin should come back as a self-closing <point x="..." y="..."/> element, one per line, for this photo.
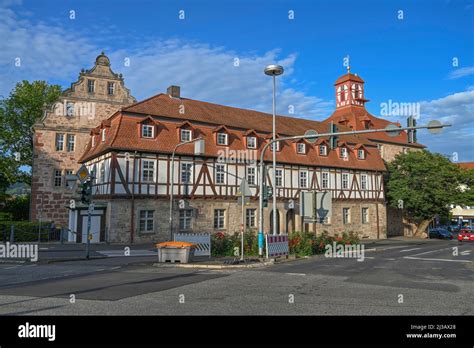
<point x="349" y="90"/>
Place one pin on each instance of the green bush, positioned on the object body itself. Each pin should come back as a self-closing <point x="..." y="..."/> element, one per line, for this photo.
<point x="301" y="243"/>
<point x="224" y="245"/>
<point x="17" y="207"/>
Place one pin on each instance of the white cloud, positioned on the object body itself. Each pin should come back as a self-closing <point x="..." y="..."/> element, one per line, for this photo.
<point x="204" y="72"/>
<point x="458" y="73"/>
<point x="456" y="109"/>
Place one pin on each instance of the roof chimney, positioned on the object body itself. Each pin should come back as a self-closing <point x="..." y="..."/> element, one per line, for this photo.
<point x="173" y="91"/>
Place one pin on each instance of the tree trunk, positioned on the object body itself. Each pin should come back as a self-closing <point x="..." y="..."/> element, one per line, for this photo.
<point x="421" y="228"/>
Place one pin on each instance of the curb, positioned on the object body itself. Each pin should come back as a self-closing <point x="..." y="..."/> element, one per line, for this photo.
<point x="73" y="259"/>
<point x="208" y="266"/>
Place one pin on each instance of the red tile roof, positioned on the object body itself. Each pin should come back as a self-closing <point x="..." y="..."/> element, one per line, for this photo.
<point x="205" y="117"/>
<point x="354" y="115"/>
<point x="347" y="77"/>
<point x="466" y="165"/>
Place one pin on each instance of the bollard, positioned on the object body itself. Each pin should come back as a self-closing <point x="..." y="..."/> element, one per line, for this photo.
<point x="12" y="234"/>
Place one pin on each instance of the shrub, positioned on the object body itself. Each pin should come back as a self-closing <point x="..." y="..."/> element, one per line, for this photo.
<point x="224" y="245"/>
<point x="301" y="243"/>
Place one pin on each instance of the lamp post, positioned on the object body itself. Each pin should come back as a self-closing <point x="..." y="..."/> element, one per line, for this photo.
<point x="274" y="71"/>
<point x="198" y="149"/>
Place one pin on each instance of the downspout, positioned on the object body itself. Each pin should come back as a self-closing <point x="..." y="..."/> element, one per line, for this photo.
<point x="132" y="217"/>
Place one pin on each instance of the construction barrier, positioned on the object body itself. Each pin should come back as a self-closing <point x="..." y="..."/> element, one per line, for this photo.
<point x="202" y="241"/>
<point x="277" y="245"/>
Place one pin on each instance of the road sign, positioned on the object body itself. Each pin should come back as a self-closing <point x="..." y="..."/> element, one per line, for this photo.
<point x="323" y="205"/>
<point x="392" y="130"/>
<point x="311" y="132"/>
<point x="246" y="201"/>
<point x="315" y="205"/>
<point x="434" y="127"/>
<point x="244" y="189"/>
<point x="83" y="174"/>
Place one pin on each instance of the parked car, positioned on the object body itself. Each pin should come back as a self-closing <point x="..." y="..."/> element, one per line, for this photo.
<point x="466" y="234"/>
<point x="440" y="233"/>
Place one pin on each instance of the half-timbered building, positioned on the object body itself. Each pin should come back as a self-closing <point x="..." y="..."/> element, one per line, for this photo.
<point x="131" y="155"/>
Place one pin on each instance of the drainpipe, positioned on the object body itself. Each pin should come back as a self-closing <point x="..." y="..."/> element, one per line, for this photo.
<point x="132" y="217"/>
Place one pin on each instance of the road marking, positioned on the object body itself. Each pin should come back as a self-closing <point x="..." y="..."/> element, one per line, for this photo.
<point x="43" y="248"/>
<point x="432" y="251"/>
<point x="467" y="252"/>
<point x="390" y="259"/>
<point x="298" y="274"/>
<point x="421" y="258"/>
<point x="11" y="267"/>
<point x="404" y="251"/>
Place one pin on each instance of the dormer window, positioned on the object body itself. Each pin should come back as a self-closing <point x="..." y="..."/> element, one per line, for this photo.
<point x="186" y="135"/>
<point x="301" y="148"/>
<point x="251" y="142"/>
<point x="148" y="131"/>
<point x="361" y="154"/>
<point x="222" y="139"/>
<point x="103" y="134"/>
<point x="323" y="150"/>
<point x="343" y="153"/>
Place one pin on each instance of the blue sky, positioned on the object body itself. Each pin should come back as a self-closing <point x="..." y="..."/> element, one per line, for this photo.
<point x="407" y="59"/>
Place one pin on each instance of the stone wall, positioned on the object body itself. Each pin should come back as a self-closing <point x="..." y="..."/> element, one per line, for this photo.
<point x="119" y="219"/>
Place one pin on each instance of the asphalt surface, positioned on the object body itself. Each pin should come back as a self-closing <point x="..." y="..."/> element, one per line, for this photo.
<point x="402" y="277"/>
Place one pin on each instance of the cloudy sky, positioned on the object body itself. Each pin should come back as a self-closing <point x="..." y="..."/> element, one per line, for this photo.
<point x="407" y="52"/>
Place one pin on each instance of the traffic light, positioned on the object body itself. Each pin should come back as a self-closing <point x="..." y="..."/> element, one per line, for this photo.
<point x="332" y="139"/>
<point x="411" y="134"/>
<point x="267" y="193"/>
<point x="86" y="192"/>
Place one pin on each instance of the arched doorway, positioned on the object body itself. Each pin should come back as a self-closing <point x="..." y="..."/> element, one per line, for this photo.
<point x="278" y="222"/>
<point x="290" y="221"/>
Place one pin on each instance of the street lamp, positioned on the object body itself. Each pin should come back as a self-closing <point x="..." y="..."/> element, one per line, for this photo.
<point x="198" y="150"/>
<point x="274" y="70"/>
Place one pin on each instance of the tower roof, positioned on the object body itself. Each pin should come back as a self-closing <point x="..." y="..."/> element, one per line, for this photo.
<point x="102" y="59"/>
<point x="348" y="77"/>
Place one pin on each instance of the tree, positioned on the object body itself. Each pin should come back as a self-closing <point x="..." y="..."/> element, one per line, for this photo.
<point x="18" y="113"/>
<point x="423" y="184"/>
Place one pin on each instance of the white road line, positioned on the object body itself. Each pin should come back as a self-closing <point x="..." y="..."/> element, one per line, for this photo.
<point x="298" y="274"/>
<point x="467" y="252"/>
<point x="11" y="267"/>
<point x="404" y="251"/>
<point x="432" y="251"/>
<point x="424" y="259"/>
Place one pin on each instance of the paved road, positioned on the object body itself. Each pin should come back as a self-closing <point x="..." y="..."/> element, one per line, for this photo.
<point x="398" y="277"/>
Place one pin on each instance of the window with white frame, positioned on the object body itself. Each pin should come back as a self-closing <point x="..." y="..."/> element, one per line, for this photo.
<point x="303" y="179"/>
<point x="250" y="216"/>
<point x="325" y="180"/>
<point x="361" y="154"/>
<point x="365" y="215"/>
<point x="69" y="172"/>
<point x="102" y="173"/>
<point x="110" y="88"/>
<point x="220" y="173"/>
<point x="251" y="175"/>
<point x="323" y="150"/>
<point x="148" y="171"/>
<point x="345" y="181"/>
<point x="186" y="173"/>
<point x="186" y="135"/>
<point x="343" y="152"/>
<point x="363" y="181"/>
<point x="103" y="134"/>
<point x="146" y="220"/>
<point x="59" y="141"/>
<point x="185" y="219"/>
<point x="148" y="131"/>
<point x="301" y="148"/>
<point x="90" y="86"/>
<point x="219" y="219"/>
<point x="279" y="177"/>
<point x="71" y="142"/>
<point x="58" y="178"/>
<point x="346" y="215"/>
<point x="252" y="142"/>
<point x="275" y="146"/>
<point x="222" y="138"/>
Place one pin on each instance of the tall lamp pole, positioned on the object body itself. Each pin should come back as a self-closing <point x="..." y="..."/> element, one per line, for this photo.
<point x="274" y="71"/>
<point x="197" y="150"/>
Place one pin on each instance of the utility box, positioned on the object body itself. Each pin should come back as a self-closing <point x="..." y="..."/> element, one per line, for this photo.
<point x="172" y="252"/>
